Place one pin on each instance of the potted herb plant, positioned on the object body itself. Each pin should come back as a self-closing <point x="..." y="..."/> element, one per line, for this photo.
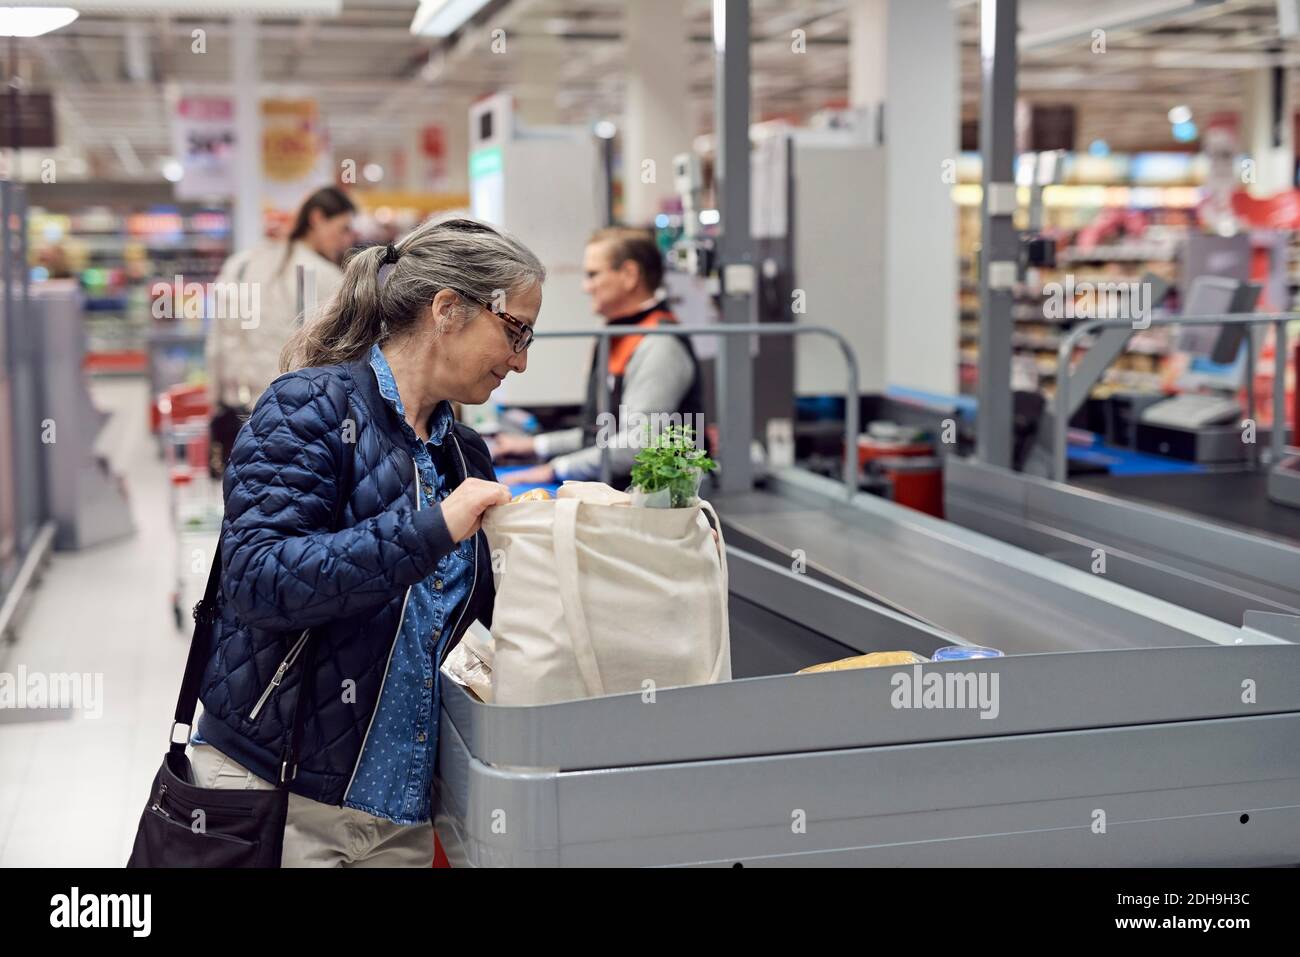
<point x="668" y="472"/>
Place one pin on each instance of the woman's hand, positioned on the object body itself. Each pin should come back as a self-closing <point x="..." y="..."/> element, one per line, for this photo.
<point x="534" y="475"/>
<point x="512" y="446"/>
<point x="463" y="509"/>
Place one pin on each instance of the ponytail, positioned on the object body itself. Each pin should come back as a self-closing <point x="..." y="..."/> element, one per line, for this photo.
<point x="471" y="258"/>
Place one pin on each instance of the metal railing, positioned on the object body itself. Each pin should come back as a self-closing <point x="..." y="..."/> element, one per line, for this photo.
<point x="1065" y="351"/>
<point x="851" y="399"/>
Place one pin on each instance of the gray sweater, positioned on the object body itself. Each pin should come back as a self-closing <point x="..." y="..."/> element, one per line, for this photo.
<point x="657" y="379"/>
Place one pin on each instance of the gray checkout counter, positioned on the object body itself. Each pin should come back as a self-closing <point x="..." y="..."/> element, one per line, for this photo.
<point x="1126" y="731"/>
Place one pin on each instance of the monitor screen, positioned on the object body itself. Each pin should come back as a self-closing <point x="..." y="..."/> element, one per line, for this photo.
<point x="1217" y="354"/>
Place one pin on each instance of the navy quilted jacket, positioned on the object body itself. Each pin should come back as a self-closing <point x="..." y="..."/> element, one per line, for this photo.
<point x="286" y="569"/>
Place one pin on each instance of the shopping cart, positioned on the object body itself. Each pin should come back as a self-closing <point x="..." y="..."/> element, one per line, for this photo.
<point x="194" y="498"/>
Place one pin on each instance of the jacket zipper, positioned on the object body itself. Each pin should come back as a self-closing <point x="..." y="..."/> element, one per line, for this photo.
<point x="415" y="468"/>
<point x="473" y="581"/>
<point x="464" y="470"/>
<point x="280" y="672"/>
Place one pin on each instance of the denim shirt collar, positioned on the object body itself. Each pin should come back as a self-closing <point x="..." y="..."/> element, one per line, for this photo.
<point x="440" y="422"/>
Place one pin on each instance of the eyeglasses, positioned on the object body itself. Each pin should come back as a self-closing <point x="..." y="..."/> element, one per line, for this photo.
<point x="521" y="333"/>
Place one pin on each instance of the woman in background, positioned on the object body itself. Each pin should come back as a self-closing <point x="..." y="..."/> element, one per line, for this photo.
<point x="244" y="343"/>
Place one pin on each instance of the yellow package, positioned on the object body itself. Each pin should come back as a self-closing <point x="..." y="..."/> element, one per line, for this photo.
<point x="877" y="659"/>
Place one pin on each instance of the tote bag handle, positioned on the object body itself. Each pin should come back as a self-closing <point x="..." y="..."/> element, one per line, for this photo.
<point x="724" y="646"/>
<point x="564" y="543"/>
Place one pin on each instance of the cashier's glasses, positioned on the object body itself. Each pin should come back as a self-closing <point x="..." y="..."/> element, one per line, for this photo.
<point x="520" y="332"/>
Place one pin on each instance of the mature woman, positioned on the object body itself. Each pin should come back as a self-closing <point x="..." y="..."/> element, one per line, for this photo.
<point x="352" y="560"/>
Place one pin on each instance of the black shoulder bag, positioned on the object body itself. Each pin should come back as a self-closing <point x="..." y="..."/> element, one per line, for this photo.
<point x="243" y="828"/>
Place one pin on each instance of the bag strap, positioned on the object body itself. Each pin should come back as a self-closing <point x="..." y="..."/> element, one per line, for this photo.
<point x="564" y="543"/>
<point x="724" y="646"/>
<point x="205" y="615"/>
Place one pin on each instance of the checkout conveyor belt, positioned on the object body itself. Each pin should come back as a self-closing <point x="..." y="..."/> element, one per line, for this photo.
<point x="1108" y="706"/>
<point x="1234" y="498"/>
<point x="1194" y="541"/>
<point x="959" y="582"/>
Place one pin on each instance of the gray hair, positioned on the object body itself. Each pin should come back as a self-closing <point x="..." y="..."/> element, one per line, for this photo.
<point x="475" y="260"/>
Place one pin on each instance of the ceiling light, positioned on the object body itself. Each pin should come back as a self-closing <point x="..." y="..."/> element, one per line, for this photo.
<point x="34" y="21"/>
<point x="173" y="171"/>
<point x="1180" y="114"/>
<point x="372" y="172"/>
<point x="442" y="18"/>
<point x="605" y="130"/>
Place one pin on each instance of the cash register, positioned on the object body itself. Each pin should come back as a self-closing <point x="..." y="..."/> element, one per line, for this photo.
<point x="1203" y="422"/>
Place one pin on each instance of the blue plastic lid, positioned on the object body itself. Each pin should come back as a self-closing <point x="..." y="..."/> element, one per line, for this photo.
<point x="960" y="652"/>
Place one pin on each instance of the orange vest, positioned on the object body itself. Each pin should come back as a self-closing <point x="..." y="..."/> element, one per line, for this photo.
<point x="622" y="347"/>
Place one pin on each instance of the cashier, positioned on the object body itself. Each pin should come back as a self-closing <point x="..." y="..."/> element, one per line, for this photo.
<point x="646" y="375"/>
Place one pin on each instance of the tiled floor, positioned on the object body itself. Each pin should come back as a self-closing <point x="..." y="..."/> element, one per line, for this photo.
<point x="72" y="787"/>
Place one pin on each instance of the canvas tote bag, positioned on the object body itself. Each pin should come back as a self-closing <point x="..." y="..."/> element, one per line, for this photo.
<point x="595" y="599"/>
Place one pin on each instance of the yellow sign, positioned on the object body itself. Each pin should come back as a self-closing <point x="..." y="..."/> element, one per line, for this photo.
<point x="291" y="139"/>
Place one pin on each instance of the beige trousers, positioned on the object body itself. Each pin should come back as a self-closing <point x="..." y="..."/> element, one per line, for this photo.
<point x="321" y="835"/>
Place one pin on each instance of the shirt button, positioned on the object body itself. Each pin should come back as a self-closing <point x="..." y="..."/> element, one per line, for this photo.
<point x="437" y="583"/>
<point x="437" y="633"/>
<point x="420" y="737"/>
<point x="428" y="682"/>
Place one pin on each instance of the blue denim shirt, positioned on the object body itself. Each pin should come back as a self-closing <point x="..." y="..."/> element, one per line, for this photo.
<point x="394" y="779"/>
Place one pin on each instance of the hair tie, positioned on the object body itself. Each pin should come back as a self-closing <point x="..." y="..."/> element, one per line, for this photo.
<point x="390" y="255"/>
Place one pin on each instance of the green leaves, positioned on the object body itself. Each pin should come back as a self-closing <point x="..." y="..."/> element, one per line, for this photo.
<point x="672" y="462"/>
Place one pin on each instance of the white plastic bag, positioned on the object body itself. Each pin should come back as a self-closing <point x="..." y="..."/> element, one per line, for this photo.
<point x="469" y="664"/>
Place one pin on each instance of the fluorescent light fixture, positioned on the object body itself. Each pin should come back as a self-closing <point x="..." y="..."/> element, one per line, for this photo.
<point x="710" y="217"/>
<point x="34" y="21"/>
<point x="1180" y="114"/>
<point x="988" y="29"/>
<point x="605" y="129"/>
<point x="173" y="171"/>
<point x="218" y="8"/>
<point x="442" y="18"/>
<point x="1049" y="23"/>
<point x="720" y="25"/>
